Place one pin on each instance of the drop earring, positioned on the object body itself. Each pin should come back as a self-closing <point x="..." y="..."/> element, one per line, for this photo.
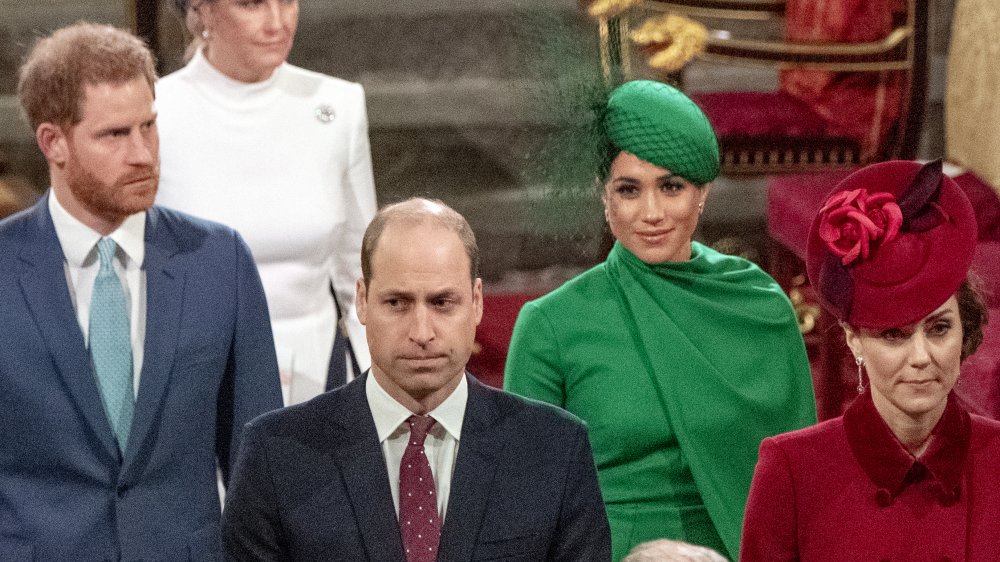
<point x="860" y="361"/>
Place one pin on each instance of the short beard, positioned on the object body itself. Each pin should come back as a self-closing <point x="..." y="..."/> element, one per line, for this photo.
<point x="110" y="202"/>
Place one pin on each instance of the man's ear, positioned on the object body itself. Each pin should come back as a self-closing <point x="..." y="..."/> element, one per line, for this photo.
<point x="361" y="300"/>
<point x="477" y="299"/>
<point x="53" y="142"/>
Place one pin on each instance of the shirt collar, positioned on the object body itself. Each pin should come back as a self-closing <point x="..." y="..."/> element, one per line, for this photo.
<point x="78" y="240"/>
<point x="892" y="468"/>
<point x="389" y="414"/>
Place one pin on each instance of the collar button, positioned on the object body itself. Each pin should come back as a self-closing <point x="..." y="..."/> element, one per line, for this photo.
<point x="883" y="498"/>
<point x="949" y="497"/>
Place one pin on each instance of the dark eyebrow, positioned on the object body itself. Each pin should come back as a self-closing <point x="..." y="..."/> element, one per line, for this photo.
<point x="939" y="315"/>
<point x="664" y="177"/>
<point x="112" y="130"/>
<point x="624" y="179"/>
<point x="395" y="294"/>
<point x="446" y="293"/>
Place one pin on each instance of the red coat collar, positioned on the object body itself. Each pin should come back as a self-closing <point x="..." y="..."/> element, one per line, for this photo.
<point x="891" y="467"/>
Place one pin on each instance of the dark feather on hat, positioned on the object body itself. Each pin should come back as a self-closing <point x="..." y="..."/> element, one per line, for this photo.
<point x="836" y="285"/>
<point x="918" y="201"/>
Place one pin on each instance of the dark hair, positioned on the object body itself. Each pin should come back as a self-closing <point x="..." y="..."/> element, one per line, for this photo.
<point x="55" y="72"/>
<point x="418" y="210"/>
<point x="608" y="155"/>
<point x="973" y="313"/>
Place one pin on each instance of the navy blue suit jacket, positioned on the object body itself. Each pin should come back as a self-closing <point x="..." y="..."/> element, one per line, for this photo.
<point x="311" y="484"/>
<point x="66" y="493"/>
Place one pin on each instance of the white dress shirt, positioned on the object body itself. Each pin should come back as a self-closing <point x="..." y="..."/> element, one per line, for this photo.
<point x="81" y="264"/>
<point x="440" y="447"/>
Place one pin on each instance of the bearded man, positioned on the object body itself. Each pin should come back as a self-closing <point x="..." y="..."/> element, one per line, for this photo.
<point x="136" y="341"/>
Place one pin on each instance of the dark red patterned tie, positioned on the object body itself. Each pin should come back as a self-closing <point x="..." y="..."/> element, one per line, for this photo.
<point x="418" y="515"/>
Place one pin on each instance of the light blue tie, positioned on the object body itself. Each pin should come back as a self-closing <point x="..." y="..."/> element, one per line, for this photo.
<point x="110" y="344"/>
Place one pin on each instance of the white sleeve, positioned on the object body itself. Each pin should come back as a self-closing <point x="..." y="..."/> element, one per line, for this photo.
<point x="358" y="188"/>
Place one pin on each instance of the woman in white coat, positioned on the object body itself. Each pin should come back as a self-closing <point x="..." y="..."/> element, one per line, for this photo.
<point x="281" y="154"/>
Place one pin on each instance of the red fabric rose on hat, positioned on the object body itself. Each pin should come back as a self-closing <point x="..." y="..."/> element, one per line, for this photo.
<point x="852" y="221"/>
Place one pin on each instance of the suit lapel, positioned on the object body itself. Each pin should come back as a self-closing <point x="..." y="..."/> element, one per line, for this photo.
<point x="164" y="297"/>
<point x="472" y="484"/>
<point x="362" y="464"/>
<point x="46" y="290"/>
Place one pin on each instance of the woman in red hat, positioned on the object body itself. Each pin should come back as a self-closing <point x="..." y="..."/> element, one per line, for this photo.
<point x="906" y="473"/>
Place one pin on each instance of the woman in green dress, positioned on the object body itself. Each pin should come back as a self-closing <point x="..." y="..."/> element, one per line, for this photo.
<point x="679" y="358"/>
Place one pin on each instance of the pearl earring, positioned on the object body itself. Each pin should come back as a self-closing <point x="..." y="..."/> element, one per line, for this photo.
<point x="860" y="361"/>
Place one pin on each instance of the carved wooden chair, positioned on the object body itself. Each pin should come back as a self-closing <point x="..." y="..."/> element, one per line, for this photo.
<point x="851" y="85"/>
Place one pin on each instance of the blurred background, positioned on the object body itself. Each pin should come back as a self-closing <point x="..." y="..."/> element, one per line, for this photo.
<point x="460" y="100"/>
<point x="476" y="102"/>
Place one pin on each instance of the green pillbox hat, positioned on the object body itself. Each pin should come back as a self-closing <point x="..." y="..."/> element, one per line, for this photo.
<point x="660" y="125"/>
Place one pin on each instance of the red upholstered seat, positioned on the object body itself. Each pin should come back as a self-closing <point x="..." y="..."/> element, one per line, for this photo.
<point x="500" y="311"/>
<point x="774" y="130"/>
<point x="759" y="114"/>
<point x="984" y="200"/>
<point x="865" y="106"/>
<point x="792" y="202"/>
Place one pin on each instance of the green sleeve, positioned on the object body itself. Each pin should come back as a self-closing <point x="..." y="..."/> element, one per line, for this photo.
<point x="534" y="366"/>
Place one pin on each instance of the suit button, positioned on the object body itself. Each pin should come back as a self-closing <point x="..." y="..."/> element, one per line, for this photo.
<point x="883" y="498"/>
<point x="947" y="497"/>
<point x="122" y="492"/>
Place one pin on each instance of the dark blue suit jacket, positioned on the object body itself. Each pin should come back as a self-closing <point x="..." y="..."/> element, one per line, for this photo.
<point x="66" y="493"/>
<point x="311" y="484"/>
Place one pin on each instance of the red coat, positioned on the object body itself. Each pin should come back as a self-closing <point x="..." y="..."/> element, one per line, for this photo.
<point x="846" y="489"/>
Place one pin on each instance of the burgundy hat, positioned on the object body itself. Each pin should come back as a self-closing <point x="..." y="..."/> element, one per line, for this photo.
<point x="892" y="242"/>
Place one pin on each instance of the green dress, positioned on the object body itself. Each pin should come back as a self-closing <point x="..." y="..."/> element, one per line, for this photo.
<point x="680" y="370"/>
